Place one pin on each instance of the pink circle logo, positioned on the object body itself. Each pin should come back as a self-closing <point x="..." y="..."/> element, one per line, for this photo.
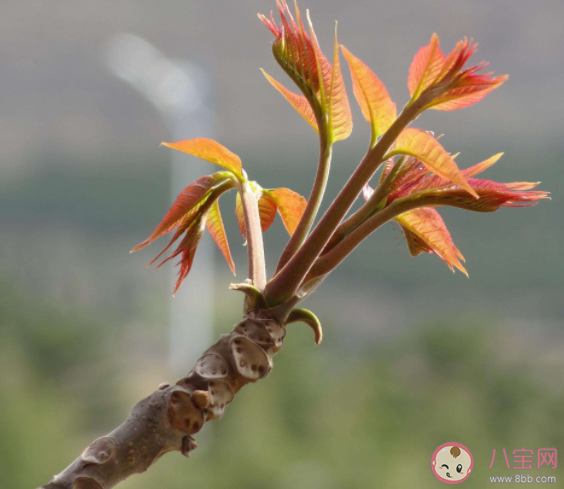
<point x="452" y="463"/>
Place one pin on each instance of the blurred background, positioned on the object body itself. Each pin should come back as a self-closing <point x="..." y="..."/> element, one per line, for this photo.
<point x="412" y="357"/>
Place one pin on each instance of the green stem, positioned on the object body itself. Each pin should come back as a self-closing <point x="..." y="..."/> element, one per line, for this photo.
<point x="285" y="284"/>
<point x="316" y="196"/>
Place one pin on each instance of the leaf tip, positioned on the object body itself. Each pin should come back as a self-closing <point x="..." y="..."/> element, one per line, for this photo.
<point x="308" y="16"/>
<point x="140" y="246"/>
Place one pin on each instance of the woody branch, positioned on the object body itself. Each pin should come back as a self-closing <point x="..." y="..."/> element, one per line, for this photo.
<point x="166" y="420"/>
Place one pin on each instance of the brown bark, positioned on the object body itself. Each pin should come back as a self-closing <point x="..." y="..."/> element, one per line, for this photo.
<point x="166" y="420"/>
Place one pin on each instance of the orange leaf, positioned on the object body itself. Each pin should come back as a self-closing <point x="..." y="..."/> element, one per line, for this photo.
<point x="480" y="167"/>
<point x="186" y="202"/>
<point x="425" y="67"/>
<point x="427" y="149"/>
<point x="521" y="185"/>
<point x="290" y="206"/>
<point x="299" y="102"/>
<point x="215" y="226"/>
<point x="332" y="92"/>
<point x="323" y="67"/>
<point x="210" y="150"/>
<point x="425" y="230"/>
<point x="415" y="244"/>
<point x="371" y="94"/>
<point x="240" y="215"/>
<point x="340" y="117"/>
<point x="267" y="212"/>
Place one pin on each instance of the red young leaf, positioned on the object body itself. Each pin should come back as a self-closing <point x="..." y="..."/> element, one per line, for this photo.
<point x="290" y="206"/>
<point x="425" y="230"/>
<point x="299" y="102"/>
<point x="270" y="23"/>
<point x="468" y="93"/>
<point x="301" y="58"/>
<point x="210" y="150"/>
<point x="310" y="65"/>
<point x="185" y="224"/>
<point x="187" y="248"/>
<point x="188" y="255"/>
<point x="423" y="227"/>
<point x="516" y="194"/>
<point x="426" y="148"/>
<point x="411" y="170"/>
<point x="186" y="202"/>
<point x="371" y="94"/>
<point x="493" y="195"/>
<point x="453" y="88"/>
<point x="463" y="88"/>
<point x="425" y="68"/>
<point x="433" y="181"/>
<point x="441" y="192"/>
<point x="323" y="67"/>
<point x="188" y="215"/>
<point x="300" y="49"/>
<point x="293" y="48"/>
<point x="215" y="226"/>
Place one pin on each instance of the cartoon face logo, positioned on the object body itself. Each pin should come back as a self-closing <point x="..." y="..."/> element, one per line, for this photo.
<point x="452" y="463"/>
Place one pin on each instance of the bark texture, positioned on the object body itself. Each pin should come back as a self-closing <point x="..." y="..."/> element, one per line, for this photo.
<point x="166" y="420"/>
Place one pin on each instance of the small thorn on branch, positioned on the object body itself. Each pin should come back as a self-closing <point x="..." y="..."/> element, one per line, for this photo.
<point x="188" y="444"/>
